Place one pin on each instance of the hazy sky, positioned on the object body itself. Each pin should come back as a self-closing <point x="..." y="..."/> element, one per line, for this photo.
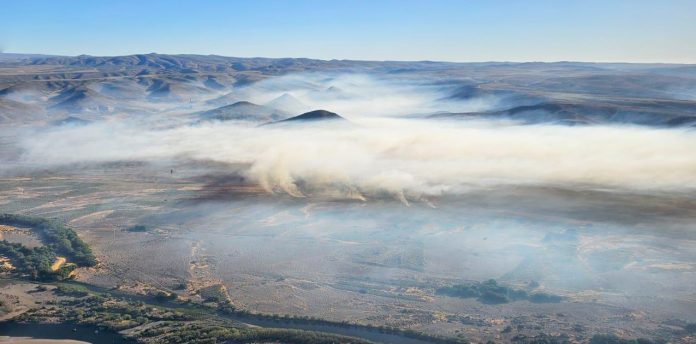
<point x="464" y="30"/>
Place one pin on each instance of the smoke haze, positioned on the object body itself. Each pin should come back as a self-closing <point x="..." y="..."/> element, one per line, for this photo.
<point x="379" y="152"/>
<point x="404" y="158"/>
<point x="361" y="95"/>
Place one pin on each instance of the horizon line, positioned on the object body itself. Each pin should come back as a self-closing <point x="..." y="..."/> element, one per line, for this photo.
<point x="362" y="60"/>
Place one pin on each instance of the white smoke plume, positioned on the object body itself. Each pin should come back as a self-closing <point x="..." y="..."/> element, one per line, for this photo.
<point x="406" y="159"/>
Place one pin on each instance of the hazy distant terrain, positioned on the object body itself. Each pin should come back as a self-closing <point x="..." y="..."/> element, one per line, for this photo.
<point x="37" y="87"/>
<point x="504" y="202"/>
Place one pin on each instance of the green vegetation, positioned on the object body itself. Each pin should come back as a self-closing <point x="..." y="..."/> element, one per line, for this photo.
<point x="490" y="292"/>
<point x="228" y="309"/>
<point x="201" y="332"/>
<point x="171" y="326"/>
<point x="72" y="290"/>
<point x="541" y="338"/>
<point x="214" y="293"/>
<point x="163" y="296"/>
<point x="185" y="322"/>
<point x="35" y="262"/>
<point x="5" y="307"/>
<point x="544" y="298"/>
<point x="137" y="228"/>
<point x="58" y="240"/>
<point x="108" y="312"/>
<point x="612" y="339"/>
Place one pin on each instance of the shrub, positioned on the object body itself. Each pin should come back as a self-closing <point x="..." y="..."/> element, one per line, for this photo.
<point x="493" y="293"/>
<point x="137" y="228"/>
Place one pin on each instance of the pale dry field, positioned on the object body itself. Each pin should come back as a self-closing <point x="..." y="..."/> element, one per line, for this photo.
<point x="624" y="263"/>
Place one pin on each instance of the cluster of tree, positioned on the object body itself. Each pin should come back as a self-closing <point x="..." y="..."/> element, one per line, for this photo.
<point x="543" y="338"/>
<point x="35" y="262"/>
<point x="227" y="308"/>
<point x="5" y="307"/>
<point x="491" y="292"/>
<point x="172" y="326"/>
<point x="122" y="314"/>
<point x="612" y="339"/>
<point x="163" y="296"/>
<point x="540" y="338"/>
<point x="58" y="238"/>
<point x="201" y="332"/>
<point x="99" y="310"/>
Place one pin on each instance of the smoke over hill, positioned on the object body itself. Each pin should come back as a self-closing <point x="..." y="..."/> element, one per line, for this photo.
<point x="417" y="129"/>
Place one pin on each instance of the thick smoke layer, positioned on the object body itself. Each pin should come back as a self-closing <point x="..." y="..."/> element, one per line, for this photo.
<point x="378" y="154"/>
<point x="406" y="159"/>
<point x="360" y="95"/>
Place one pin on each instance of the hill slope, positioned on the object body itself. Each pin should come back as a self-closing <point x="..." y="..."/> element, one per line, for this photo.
<point x="243" y="111"/>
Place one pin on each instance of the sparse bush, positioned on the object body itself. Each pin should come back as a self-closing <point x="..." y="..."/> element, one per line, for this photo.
<point x="492" y="297"/>
<point x="612" y="339"/>
<point x="5" y="307"/>
<point x="137" y="228"/>
<point x="544" y="298"/>
<point x="163" y="296"/>
<point x="493" y="293"/>
<point x="690" y="327"/>
<point x="72" y="290"/>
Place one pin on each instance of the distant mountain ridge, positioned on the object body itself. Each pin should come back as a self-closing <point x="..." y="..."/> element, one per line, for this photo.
<point x="43" y="87"/>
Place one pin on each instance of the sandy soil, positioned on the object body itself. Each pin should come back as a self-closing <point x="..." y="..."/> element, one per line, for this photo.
<point x="58" y="263"/>
<point x="20" y="297"/>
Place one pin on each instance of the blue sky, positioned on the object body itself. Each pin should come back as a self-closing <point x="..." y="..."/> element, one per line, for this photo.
<point x="464" y="30"/>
